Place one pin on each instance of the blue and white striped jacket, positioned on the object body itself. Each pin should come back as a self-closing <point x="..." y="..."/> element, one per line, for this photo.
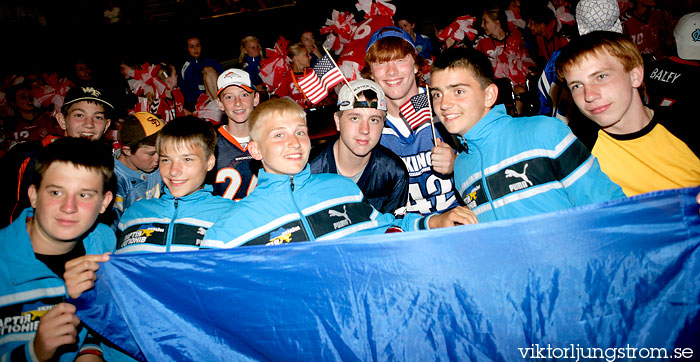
<point x="169" y="223"/>
<point x="302" y="207"/>
<point x="28" y="288"/>
<point x="517" y="167"/>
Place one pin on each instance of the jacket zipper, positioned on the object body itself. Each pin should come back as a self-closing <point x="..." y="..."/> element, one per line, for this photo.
<point x="169" y="237"/>
<point x="301" y="215"/>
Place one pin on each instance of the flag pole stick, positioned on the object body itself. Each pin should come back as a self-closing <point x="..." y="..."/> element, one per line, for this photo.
<point x="341" y="73"/>
<point x="430" y="107"/>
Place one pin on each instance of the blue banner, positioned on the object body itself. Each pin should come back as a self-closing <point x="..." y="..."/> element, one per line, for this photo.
<point x="623" y="274"/>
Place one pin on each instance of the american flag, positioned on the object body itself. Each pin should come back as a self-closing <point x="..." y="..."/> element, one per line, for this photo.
<point x="416" y="110"/>
<point x="325" y="76"/>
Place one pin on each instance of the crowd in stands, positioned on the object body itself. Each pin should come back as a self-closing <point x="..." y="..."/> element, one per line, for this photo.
<point x="538" y="107"/>
<point x="519" y="40"/>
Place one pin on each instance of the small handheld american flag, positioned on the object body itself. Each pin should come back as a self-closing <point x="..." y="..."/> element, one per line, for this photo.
<point x="325" y="76"/>
<point x="416" y="111"/>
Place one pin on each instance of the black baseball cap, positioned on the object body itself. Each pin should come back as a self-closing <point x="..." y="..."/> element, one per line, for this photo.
<point x="77" y="94"/>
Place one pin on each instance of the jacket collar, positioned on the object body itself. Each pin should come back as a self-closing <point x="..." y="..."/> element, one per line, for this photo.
<point x="484" y="128"/>
<point x="200" y="194"/>
<point x="272" y="180"/>
<point x="330" y="158"/>
<point x="23" y="254"/>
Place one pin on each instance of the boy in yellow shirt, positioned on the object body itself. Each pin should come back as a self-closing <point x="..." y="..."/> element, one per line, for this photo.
<point x="639" y="151"/>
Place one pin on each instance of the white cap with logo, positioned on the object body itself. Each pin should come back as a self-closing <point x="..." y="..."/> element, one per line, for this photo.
<point x="347" y="100"/>
<point x="687" y="34"/>
<point x="237" y="77"/>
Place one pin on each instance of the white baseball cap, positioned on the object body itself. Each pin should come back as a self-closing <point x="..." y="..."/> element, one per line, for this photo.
<point x="346" y="96"/>
<point x="687" y="34"/>
<point x="235" y="77"/>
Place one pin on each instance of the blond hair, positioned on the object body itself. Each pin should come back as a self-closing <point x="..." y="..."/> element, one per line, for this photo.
<point x="274" y="108"/>
<point x="244" y="41"/>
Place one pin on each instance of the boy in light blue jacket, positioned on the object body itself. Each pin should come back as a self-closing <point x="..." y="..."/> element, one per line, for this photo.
<point x="290" y="204"/>
<point x="71" y="189"/>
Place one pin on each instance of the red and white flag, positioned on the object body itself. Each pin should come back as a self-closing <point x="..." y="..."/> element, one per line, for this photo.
<point x="148" y="74"/>
<point x="208" y="110"/>
<point x="339" y="28"/>
<point x="325" y="76"/>
<point x="461" y="27"/>
<point x="416" y="111"/>
<point x="53" y="92"/>
<point x="276" y="65"/>
<point x="352" y="58"/>
<point x="376" y="7"/>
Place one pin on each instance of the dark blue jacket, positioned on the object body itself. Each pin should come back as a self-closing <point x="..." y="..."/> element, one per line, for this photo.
<point x="384" y="181"/>
<point x="191" y="81"/>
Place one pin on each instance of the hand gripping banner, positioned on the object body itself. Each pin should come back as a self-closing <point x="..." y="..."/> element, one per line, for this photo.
<point x="620" y="274"/>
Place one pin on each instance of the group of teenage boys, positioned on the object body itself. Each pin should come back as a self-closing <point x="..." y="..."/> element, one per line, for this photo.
<point x="506" y="167"/>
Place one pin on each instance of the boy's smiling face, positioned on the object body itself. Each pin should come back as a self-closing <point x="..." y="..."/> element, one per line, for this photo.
<point x="282" y="143"/>
<point x="604" y="91"/>
<point x="459" y="100"/>
<point x="237" y="103"/>
<point x="84" y="119"/>
<point x="397" y="77"/>
<point x="183" y="167"/>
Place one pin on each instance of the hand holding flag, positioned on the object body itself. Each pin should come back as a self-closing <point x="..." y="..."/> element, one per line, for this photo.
<point x="417" y="111"/>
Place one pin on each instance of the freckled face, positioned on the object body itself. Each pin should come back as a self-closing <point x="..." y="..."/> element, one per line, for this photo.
<point x="237" y="103"/>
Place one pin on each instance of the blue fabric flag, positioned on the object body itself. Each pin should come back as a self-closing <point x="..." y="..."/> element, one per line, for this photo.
<point x="623" y="274"/>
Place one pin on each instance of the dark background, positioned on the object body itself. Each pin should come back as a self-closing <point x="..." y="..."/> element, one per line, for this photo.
<point x="154" y="30"/>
